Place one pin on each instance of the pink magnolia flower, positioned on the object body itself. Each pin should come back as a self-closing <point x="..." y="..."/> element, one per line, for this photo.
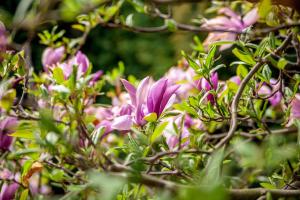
<point x="182" y="77"/>
<point x="272" y="92"/>
<point x="229" y="21"/>
<point x="295" y="109"/>
<point x="7" y="126"/>
<point x="51" y="59"/>
<point x="80" y="61"/>
<point x="95" y="77"/>
<point x="203" y="84"/>
<point x="8" y="191"/>
<point x="146" y="99"/>
<point x="236" y="80"/>
<point x="52" y="56"/>
<point x="172" y="139"/>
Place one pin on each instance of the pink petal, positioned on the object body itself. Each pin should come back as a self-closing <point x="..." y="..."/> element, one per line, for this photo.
<point x="122" y="123"/>
<point x="251" y="17"/>
<point x="131" y="91"/>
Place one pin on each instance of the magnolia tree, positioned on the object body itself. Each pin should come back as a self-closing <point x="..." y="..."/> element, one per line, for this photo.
<point x="198" y="132"/>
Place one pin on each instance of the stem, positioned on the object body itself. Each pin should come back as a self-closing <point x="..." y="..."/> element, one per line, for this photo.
<point x="236" y="99"/>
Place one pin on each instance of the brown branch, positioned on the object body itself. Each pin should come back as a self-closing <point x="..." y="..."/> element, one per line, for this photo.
<point x="28" y="117"/>
<point x="249" y="135"/>
<point x="236" y="99"/>
<point x="151" y="181"/>
<point x="254" y="193"/>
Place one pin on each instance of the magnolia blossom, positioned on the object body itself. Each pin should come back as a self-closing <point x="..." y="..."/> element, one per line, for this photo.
<point x="11" y="185"/>
<point x="36" y="188"/>
<point x="203" y="84"/>
<point x="172" y="139"/>
<point x="146" y="99"/>
<point x="295" y="109"/>
<point x="236" y="80"/>
<point x="7" y="126"/>
<point x="271" y="91"/>
<point x="95" y="77"/>
<point x="182" y="77"/>
<point x="80" y="61"/>
<point x="52" y="56"/>
<point x="229" y="21"/>
<point x="8" y="191"/>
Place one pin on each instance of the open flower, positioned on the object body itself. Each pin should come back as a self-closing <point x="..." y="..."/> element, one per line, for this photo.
<point x="51" y="59"/>
<point x="182" y="77"/>
<point x="146" y="99"/>
<point x="7" y="126"/>
<point x="80" y="61"/>
<point x="229" y="21"/>
<point x="52" y="56"/>
<point x="159" y="96"/>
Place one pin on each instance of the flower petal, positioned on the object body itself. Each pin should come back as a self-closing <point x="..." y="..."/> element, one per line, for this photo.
<point x="122" y="123"/>
<point x="131" y="91"/>
<point x="251" y="17"/>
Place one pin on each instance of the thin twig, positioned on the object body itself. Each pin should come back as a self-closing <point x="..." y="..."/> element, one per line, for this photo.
<point x="236" y="99"/>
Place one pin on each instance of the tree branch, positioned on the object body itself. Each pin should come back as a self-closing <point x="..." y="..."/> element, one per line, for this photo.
<point x="236" y="99"/>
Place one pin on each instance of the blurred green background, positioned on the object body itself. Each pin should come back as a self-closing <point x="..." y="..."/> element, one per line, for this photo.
<point x="142" y="53"/>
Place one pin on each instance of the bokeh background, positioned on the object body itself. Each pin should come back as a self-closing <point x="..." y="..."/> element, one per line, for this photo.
<point x="142" y="53"/>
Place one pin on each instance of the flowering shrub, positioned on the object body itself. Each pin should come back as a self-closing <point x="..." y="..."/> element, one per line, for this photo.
<point x="222" y="124"/>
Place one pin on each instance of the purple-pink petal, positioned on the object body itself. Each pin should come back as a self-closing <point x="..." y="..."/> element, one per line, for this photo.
<point x="166" y="97"/>
<point x="82" y="62"/>
<point x="236" y="80"/>
<point x="122" y="123"/>
<point x="131" y="91"/>
<point x="251" y="17"/>
<point x="7" y="126"/>
<point x="96" y="76"/>
<point x="295" y="107"/>
<point x="155" y="95"/>
<point x="52" y="56"/>
<point x="8" y="191"/>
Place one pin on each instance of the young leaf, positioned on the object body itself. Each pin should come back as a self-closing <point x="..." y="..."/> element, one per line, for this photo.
<point x="158" y="131"/>
<point x="243" y="56"/>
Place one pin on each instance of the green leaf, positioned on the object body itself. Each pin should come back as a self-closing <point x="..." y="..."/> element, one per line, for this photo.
<point x="47" y="121"/>
<point x="158" y="131"/>
<point x="24" y="194"/>
<point x="171" y="24"/>
<point x="7" y="99"/>
<point x="151" y="117"/>
<point x="243" y="56"/>
<point x="57" y="175"/>
<point x="25" y="130"/>
<point x="129" y="20"/>
<point x="97" y="133"/>
<point x="212" y="171"/>
<point x="268" y="186"/>
<point x="60" y="89"/>
<point x="79" y="27"/>
<point x="58" y="75"/>
<point x="282" y="63"/>
<point x="106" y="187"/>
<point x="264" y="8"/>
<point x="241" y="71"/>
<point x="210" y="56"/>
<point x="267" y="73"/>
